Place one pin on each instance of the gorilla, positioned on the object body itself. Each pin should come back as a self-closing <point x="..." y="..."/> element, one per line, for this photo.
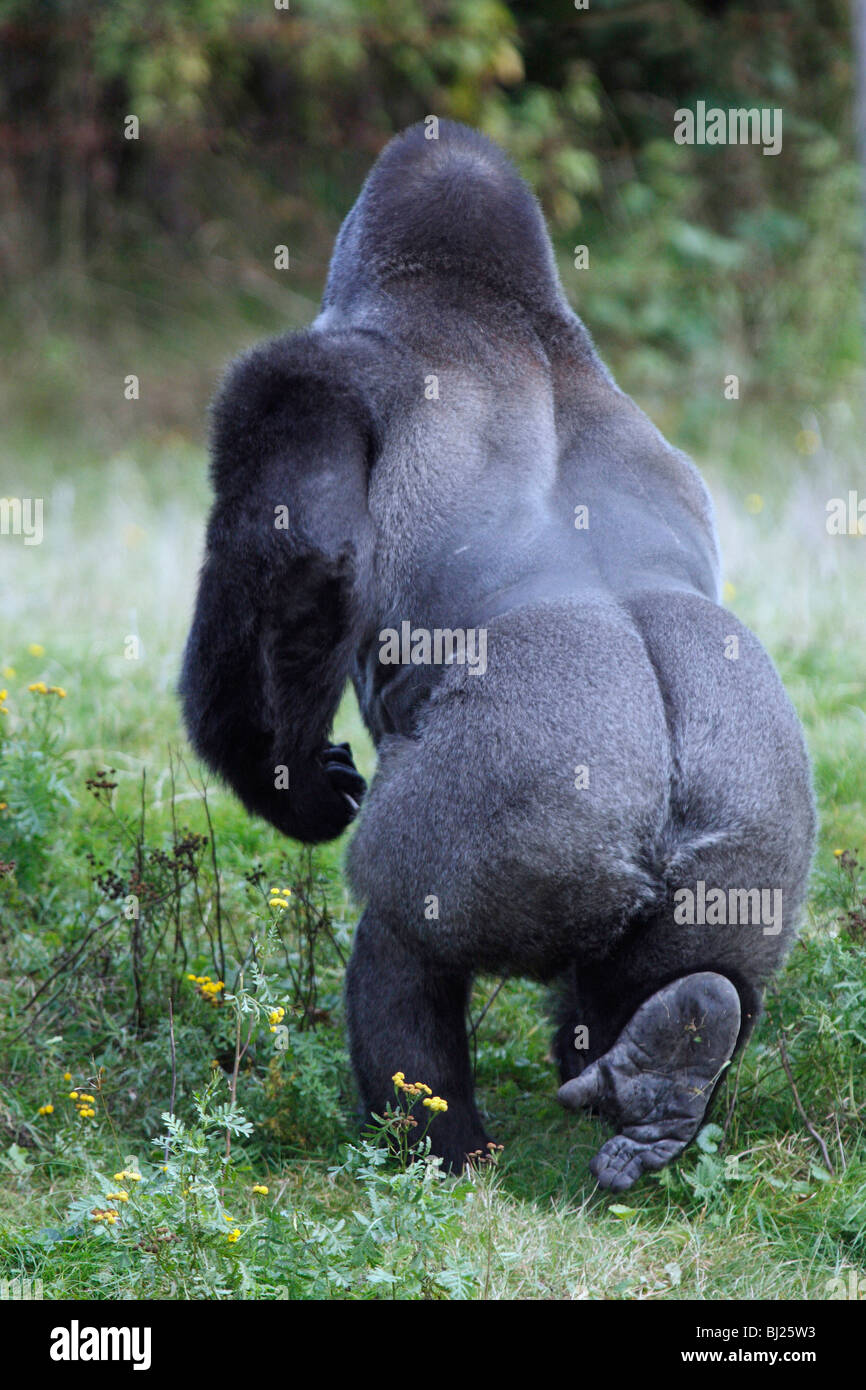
<point x="588" y="771"/>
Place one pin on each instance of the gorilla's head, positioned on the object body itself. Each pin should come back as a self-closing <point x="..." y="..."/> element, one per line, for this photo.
<point x="452" y="204"/>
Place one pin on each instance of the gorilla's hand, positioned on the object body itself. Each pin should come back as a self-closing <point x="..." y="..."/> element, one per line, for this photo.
<point x="344" y="777"/>
<point x="323" y="796"/>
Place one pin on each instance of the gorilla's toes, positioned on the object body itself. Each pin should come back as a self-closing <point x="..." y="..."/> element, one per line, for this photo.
<point x="656" y="1081"/>
<point x="621" y="1161"/>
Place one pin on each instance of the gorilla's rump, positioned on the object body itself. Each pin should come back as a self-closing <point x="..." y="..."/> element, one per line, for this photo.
<point x="525" y="810"/>
<point x="549" y="806"/>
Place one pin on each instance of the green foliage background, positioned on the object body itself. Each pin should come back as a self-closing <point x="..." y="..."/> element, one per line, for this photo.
<point x="257" y="126"/>
<point x="155" y="256"/>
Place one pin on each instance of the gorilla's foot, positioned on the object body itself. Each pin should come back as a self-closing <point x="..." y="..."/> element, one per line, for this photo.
<point x="656" y="1081"/>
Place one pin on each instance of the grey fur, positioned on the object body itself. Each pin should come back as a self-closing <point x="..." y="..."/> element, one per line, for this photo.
<point x="606" y="646"/>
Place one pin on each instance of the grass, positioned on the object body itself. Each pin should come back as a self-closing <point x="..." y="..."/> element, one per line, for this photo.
<point x="764" y="1207"/>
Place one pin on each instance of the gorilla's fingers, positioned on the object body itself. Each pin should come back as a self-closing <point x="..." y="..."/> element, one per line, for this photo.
<point x="338" y="753"/>
<point x="343" y="776"/>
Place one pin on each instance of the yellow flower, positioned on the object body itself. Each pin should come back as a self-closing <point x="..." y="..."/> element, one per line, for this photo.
<point x="838" y="853"/>
<point x="436" y="1104"/>
<point x="36" y="649"/>
<point x="260" y="1187"/>
<point x="233" y="1236"/>
<point x="229" y="1219"/>
<point x="38" y="688"/>
<point x="3" y="806"/>
<point x="73" y="1095"/>
<point x="117" y="1196"/>
<point x="191" y="977"/>
<point x="10" y="673"/>
<point x="46" y="1110"/>
<point x="398" y="1078"/>
<point x="58" y="691"/>
<point x="3" y="694"/>
<point x="67" y="1076"/>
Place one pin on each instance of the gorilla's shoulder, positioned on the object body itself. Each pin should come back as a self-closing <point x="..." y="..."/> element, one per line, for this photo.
<point x="285" y="390"/>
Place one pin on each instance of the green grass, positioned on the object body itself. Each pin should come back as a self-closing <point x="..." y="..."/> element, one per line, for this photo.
<point x="754" y="1212"/>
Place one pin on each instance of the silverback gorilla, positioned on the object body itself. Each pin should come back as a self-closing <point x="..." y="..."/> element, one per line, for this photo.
<point x="456" y="463"/>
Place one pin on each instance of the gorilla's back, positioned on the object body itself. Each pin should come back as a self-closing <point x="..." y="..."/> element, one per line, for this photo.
<point x="444" y="453"/>
<point x="517" y="490"/>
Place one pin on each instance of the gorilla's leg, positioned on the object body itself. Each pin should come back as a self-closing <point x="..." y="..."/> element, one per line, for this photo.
<point x="656" y="1081"/>
<point x="407" y="1014"/>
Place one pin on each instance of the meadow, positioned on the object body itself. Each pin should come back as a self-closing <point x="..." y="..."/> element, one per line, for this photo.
<point x="177" y="1118"/>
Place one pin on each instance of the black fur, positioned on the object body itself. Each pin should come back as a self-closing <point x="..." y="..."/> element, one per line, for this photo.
<point x="606" y="646"/>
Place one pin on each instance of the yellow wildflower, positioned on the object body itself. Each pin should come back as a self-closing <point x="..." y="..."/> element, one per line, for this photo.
<point x="10" y="673"/>
<point x="233" y="1236"/>
<point x="36" y="649"/>
<point x="67" y="1076"/>
<point x="260" y="1188"/>
<point x="436" y="1104"/>
<point x="46" y="1110"/>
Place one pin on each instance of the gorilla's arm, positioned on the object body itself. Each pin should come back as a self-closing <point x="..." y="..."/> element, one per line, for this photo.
<point x="274" y="630"/>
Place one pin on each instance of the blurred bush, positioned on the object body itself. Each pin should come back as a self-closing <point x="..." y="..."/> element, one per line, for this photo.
<point x="257" y="125"/>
